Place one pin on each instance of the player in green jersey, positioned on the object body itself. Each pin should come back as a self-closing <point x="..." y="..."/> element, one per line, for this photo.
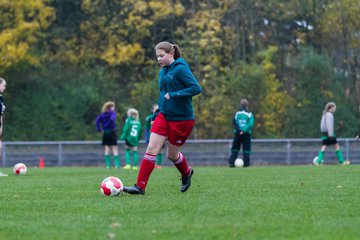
<point x="243" y="122"/>
<point x="131" y="135"/>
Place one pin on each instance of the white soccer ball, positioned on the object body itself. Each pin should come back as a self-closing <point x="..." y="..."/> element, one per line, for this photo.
<point x="20" y="169"/>
<point x="239" y="162"/>
<point x="111" y="186"/>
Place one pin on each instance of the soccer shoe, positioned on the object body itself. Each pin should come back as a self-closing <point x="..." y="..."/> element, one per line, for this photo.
<point x="186" y="181"/>
<point x="346" y="162"/>
<point x="127" y="167"/>
<point x="3" y="174"/>
<point x="158" y="167"/>
<point x="231" y="163"/>
<point x="134" y="190"/>
<point x="135" y="168"/>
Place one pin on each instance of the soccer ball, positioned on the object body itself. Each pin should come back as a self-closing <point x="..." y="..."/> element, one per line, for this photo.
<point x="20" y="169"/>
<point x="111" y="186"/>
<point x="239" y="162"/>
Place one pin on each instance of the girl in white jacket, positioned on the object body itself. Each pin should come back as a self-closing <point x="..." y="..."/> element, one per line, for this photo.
<point x="328" y="135"/>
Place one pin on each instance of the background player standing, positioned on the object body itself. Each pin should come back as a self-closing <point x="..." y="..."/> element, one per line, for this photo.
<point x="106" y="123"/>
<point x="243" y="122"/>
<point x="328" y="135"/>
<point x="131" y="134"/>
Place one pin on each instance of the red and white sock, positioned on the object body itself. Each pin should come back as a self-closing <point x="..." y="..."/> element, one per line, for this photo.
<point x="146" y="167"/>
<point x="181" y="165"/>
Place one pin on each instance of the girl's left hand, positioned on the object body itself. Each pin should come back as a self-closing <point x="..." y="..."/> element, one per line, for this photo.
<point x="167" y="96"/>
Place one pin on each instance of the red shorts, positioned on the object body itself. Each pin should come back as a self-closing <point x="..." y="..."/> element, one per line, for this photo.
<point x="176" y="131"/>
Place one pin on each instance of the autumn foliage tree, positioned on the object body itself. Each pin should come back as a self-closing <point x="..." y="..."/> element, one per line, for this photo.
<point x="64" y="58"/>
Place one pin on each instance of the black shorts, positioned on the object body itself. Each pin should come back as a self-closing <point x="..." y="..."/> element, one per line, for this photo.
<point x="109" y="138"/>
<point x="328" y="141"/>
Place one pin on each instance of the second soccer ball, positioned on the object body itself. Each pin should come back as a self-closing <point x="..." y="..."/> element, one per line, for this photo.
<point x="315" y="161"/>
<point x="239" y="162"/>
<point x="20" y="169"/>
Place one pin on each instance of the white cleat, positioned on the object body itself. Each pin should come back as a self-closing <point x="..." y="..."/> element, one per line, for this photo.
<point x="346" y="162"/>
<point x="315" y="161"/>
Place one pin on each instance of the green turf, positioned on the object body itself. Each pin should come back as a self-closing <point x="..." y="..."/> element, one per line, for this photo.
<point x="299" y="202"/>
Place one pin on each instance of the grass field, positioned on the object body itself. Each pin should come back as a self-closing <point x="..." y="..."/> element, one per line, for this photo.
<point x="298" y="202"/>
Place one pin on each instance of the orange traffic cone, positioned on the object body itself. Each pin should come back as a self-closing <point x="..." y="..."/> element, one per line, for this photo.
<point x="42" y="162"/>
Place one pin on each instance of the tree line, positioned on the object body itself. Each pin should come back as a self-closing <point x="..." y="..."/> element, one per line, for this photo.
<point x="63" y="59"/>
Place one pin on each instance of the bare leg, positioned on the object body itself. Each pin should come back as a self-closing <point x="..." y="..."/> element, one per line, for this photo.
<point x="115" y="150"/>
<point x="323" y="148"/>
<point x="173" y="152"/>
<point x="155" y="144"/>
